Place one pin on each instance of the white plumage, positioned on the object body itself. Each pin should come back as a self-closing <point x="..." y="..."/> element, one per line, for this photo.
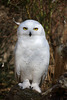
<point x="31" y="54"/>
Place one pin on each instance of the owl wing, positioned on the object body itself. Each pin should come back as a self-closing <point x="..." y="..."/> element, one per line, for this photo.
<point x="18" y="78"/>
<point x="43" y="76"/>
<point x="17" y="65"/>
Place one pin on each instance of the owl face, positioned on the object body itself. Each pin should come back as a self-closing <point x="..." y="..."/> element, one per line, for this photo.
<point x="30" y="28"/>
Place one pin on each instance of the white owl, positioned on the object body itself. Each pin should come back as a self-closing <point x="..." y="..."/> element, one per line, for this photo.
<point x="31" y="55"/>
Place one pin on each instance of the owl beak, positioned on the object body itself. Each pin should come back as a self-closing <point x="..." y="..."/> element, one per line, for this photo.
<point x="30" y="34"/>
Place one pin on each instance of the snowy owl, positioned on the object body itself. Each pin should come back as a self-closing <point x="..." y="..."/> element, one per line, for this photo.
<point x="31" y="55"/>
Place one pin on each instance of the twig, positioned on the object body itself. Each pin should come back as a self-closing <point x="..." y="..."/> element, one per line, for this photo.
<point x="49" y="90"/>
<point x="16" y="22"/>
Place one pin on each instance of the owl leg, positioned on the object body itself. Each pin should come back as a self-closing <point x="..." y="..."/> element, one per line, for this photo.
<point x="25" y="84"/>
<point x="35" y="86"/>
<point x="36" y="78"/>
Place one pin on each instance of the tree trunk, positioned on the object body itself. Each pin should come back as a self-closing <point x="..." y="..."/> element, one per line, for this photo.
<point x="59" y="37"/>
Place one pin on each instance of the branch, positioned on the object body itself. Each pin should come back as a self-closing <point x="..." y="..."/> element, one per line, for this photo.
<point x="49" y="90"/>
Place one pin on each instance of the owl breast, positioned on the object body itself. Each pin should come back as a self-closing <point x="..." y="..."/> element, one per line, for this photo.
<point x="32" y="56"/>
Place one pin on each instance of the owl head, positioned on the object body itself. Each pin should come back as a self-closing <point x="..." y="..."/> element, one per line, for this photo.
<point x="30" y="28"/>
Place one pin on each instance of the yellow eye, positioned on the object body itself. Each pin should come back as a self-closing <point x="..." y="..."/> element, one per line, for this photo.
<point x="35" y="29"/>
<point x="25" y="28"/>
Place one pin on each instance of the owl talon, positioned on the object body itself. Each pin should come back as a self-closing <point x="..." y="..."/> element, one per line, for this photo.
<point x="21" y="88"/>
<point x="36" y="87"/>
<point x="30" y="87"/>
<point x="25" y="84"/>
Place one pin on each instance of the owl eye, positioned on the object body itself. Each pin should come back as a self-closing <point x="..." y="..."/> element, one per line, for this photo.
<point x="35" y="29"/>
<point x="25" y="28"/>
